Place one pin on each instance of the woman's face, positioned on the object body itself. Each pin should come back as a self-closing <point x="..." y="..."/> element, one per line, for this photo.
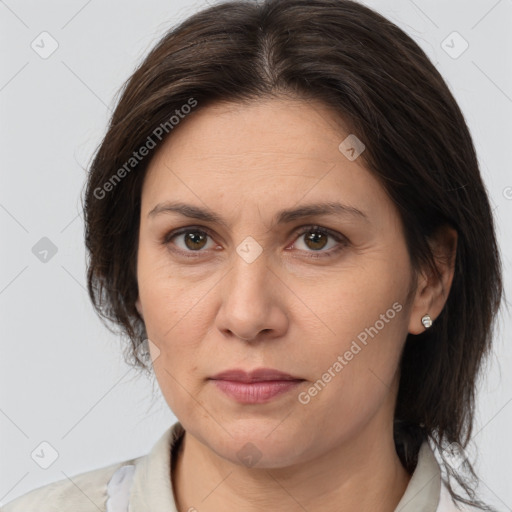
<point x="256" y="288"/>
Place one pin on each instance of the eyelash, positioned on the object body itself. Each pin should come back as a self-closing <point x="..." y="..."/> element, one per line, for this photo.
<point x="342" y="241"/>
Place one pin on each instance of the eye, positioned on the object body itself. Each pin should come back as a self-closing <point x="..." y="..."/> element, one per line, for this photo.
<point x="316" y="240"/>
<point x="196" y="239"/>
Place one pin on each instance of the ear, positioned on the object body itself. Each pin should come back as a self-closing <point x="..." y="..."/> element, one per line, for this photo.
<point x="431" y="291"/>
<point x="138" y="305"/>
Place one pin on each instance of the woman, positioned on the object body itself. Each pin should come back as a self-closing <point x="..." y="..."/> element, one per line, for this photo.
<point x="287" y="217"/>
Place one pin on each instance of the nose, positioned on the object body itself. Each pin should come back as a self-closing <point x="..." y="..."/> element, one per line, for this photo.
<point x="253" y="302"/>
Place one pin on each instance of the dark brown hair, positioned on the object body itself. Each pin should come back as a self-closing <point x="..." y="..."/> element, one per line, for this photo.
<point x="418" y="145"/>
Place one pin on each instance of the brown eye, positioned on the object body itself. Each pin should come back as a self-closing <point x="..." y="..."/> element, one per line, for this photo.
<point x="316" y="238"/>
<point x="192" y="239"/>
<point x="195" y="241"/>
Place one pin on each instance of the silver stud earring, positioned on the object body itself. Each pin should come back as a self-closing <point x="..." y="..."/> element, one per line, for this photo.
<point x="426" y="321"/>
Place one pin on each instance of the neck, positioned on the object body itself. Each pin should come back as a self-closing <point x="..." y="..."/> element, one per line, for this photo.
<point x="364" y="474"/>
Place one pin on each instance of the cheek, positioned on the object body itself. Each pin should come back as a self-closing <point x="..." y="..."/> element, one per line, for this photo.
<point x="363" y="320"/>
<point x="361" y="302"/>
<point x="176" y="320"/>
<point x="164" y="296"/>
<point x="364" y="351"/>
<point x="353" y="375"/>
<point x="173" y="321"/>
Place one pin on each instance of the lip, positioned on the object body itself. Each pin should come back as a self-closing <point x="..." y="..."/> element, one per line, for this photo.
<point x="257" y="386"/>
<point x="257" y="375"/>
<point x="256" y="392"/>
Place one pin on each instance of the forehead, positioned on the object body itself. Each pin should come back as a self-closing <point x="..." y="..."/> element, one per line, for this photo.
<point x="290" y="128"/>
<point x="269" y="152"/>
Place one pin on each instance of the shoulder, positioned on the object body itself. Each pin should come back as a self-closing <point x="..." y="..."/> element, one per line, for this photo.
<point x="85" y="492"/>
<point x="138" y="481"/>
<point x="446" y="503"/>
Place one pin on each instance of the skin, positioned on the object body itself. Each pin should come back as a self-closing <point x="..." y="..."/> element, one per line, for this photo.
<point x="283" y="310"/>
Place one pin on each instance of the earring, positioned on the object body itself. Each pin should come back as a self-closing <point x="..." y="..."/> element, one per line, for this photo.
<point x="426" y="321"/>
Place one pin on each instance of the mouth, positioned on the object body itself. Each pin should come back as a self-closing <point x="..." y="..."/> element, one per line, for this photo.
<point x="257" y="375"/>
<point x="257" y="386"/>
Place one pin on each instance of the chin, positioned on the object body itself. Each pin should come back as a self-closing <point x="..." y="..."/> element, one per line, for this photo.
<point x="258" y="444"/>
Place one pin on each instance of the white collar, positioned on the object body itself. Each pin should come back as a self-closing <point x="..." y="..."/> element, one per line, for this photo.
<point x="424" y="489"/>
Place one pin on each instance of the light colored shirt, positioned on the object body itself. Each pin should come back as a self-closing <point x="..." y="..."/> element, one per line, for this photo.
<point x="144" y="484"/>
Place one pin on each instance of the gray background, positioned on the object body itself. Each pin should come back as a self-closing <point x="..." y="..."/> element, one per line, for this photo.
<point x="62" y="378"/>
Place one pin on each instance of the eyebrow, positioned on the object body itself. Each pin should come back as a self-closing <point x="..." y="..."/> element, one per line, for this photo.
<point x="282" y="216"/>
